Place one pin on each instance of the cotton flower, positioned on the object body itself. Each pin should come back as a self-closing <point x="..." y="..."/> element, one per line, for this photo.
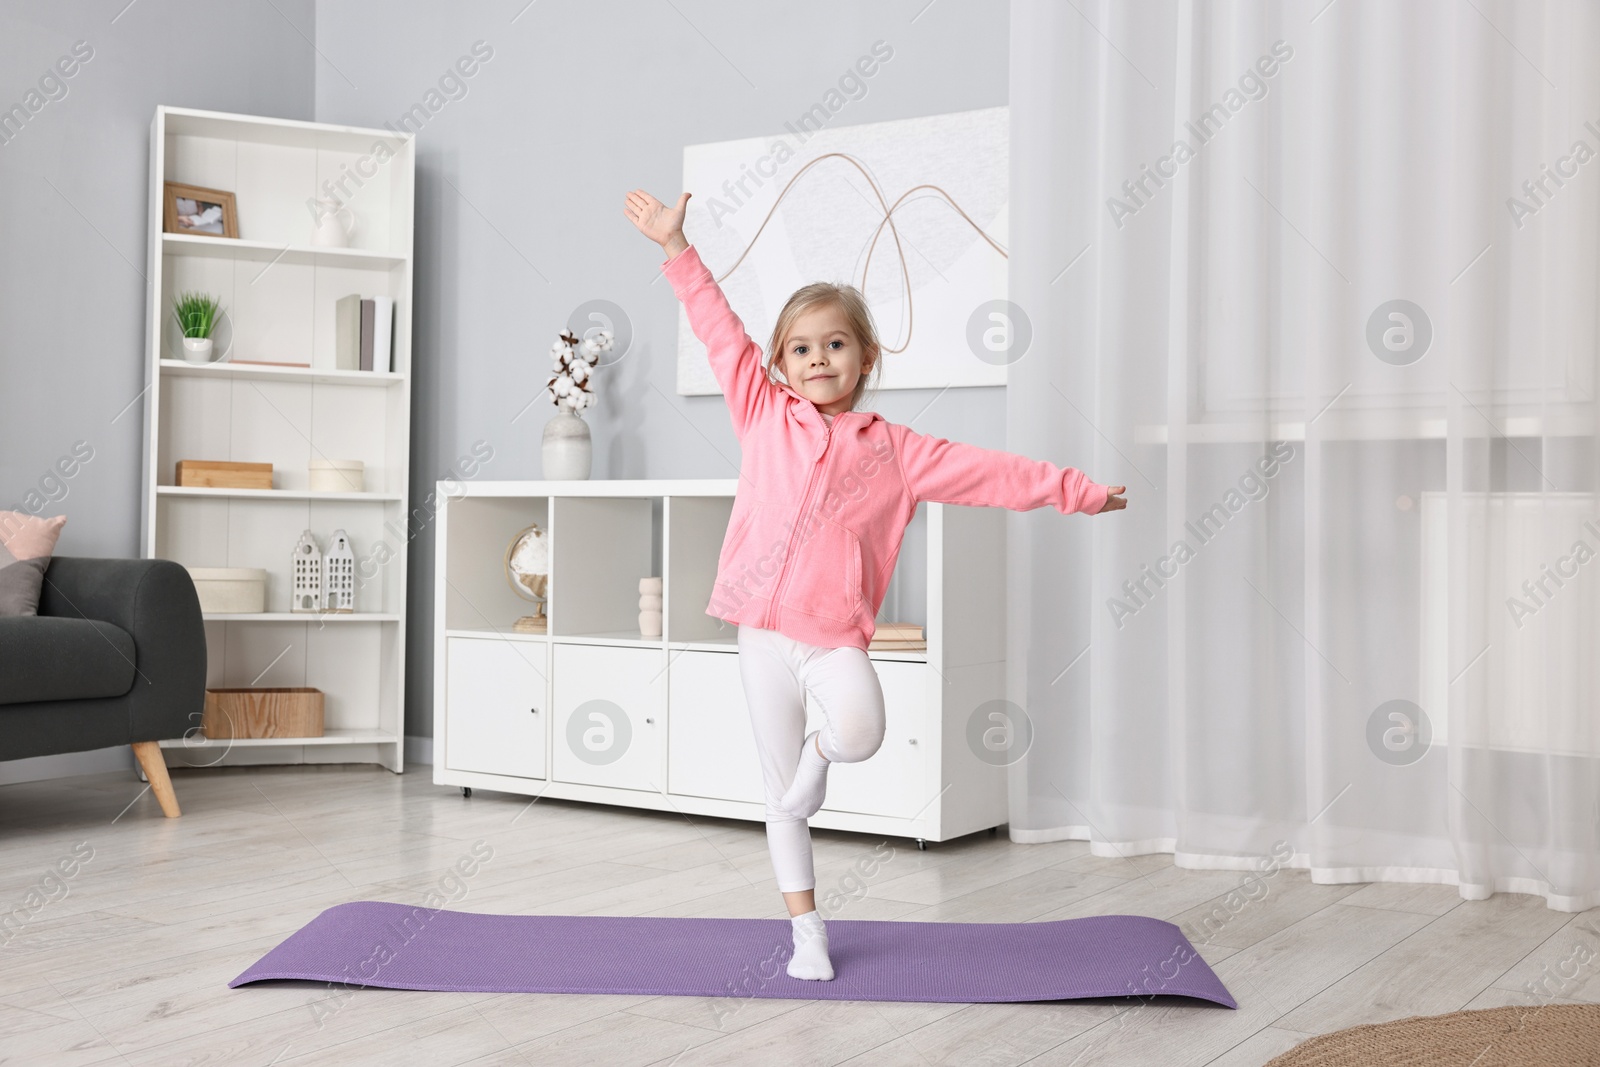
<point x="571" y="361"/>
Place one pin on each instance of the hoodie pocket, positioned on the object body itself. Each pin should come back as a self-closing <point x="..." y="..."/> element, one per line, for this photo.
<point x="827" y="581"/>
<point x="751" y="556"/>
<point x="735" y="536"/>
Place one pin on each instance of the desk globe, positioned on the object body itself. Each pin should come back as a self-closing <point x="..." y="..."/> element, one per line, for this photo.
<point x="527" y="565"/>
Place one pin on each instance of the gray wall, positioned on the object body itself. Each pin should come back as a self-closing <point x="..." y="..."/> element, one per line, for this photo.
<point x="521" y="173"/>
<point x="519" y="205"/>
<point x="73" y="242"/>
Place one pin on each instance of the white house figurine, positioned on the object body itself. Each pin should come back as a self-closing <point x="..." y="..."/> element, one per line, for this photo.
<point x="339" y="574"/>
<point x="307" y="570"/>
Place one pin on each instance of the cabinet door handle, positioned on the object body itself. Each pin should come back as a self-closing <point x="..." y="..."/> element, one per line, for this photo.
<point x="912" y="740"/>
<point x="648" y="719"/>
<point x="533" y="711"/>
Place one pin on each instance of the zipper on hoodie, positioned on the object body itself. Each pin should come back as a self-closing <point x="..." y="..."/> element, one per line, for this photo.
<point x="783" y="574"/>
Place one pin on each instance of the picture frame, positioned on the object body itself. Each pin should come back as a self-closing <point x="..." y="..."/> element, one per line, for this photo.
<point x="201" y="212"/>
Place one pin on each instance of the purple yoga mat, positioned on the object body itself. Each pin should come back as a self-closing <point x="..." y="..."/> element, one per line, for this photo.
<point x="399" y="946"/>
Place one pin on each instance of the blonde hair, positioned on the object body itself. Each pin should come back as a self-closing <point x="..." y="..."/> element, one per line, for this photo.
<point x="849" y="300"/>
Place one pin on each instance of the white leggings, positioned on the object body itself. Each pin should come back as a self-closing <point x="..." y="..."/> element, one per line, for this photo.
<point x="777" y="672"/>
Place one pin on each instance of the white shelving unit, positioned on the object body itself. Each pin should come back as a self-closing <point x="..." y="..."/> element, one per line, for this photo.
<point x="280" y="292"/>
<point x="593" y="711"/>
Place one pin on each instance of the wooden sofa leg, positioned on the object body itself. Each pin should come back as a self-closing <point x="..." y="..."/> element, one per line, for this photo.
<point x="154" y="764"/>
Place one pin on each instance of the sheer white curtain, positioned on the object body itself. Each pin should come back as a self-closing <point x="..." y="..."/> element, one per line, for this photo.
<point x="1341" y="349"/>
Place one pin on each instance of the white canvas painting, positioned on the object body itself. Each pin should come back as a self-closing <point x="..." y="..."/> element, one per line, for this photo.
<point x="923" y="290"/>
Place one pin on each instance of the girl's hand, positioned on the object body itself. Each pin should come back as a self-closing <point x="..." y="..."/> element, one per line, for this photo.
<point x="657" y="221"/>
<point x="1113" y="501"/>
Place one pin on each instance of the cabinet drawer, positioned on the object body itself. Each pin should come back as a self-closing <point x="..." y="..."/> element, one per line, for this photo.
<point x="894" y="782"/>
<point x="608" y="715"/>
<point x="495" y="718"/>
<point x="711" y="749"/>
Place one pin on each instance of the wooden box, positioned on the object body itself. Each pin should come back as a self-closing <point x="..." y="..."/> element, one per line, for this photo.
<point x="262" y="711"/>
<point x="219" y="474"/>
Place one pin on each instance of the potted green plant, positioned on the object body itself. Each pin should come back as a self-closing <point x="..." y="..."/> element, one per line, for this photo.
<point x="197" y="315"/>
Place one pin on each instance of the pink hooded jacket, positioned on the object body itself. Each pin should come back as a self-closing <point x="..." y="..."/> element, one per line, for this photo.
<point x="821" y="506"/>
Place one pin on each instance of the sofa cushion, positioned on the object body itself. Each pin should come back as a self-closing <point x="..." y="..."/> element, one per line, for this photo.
<point x="43" y="657"/>
<point x="26" y="542"/>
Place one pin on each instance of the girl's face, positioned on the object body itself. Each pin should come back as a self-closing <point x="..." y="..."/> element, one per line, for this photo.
<point x="823" y="360"/>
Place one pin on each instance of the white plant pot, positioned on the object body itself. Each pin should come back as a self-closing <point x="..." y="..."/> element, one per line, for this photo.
<point x="197" y="349"/>
<point x="567" y="450"/>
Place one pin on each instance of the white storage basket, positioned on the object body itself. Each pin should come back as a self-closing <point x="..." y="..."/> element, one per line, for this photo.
<point x="338" y="476"/>
<point x="230" y="590"/>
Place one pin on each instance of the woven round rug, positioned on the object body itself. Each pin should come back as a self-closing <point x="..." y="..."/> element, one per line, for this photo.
<point x="1526" y="1036"/>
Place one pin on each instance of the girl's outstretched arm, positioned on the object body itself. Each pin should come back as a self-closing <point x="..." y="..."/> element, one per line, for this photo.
<point x="951" y="472"/>
<point x="735" y="358"/>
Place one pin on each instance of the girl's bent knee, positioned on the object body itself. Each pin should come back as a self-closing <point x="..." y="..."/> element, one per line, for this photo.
<point x="855" y="747"/>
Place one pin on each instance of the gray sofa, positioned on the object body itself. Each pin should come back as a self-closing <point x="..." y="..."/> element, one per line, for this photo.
<point x="116" y="656"/>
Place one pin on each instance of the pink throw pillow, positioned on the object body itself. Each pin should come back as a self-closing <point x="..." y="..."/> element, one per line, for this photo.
<point x="26" y="544"/>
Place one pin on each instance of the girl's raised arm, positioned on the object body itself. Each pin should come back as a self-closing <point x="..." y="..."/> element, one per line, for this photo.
<point x="735" y="358"/>
<point x="951" y="472"/>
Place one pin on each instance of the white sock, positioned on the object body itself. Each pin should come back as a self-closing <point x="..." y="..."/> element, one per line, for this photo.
<point x="810" y="784"/>
<point x="810" y="958"/>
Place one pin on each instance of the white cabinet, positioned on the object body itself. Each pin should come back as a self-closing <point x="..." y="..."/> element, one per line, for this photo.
<point x="496" y="706"/>
<point x="894" y="781"/>
<point x="660" y="721"/>
<point x="711" y="750"/>
<point x="608" y="718"/>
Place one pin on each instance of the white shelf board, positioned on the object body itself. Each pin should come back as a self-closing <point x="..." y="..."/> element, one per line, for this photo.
<point x="332" y="737"/>
<point x="610" y="637"/>
<point x="240" y="372"/>
<point x="709" y="644"/>
<point x="635" y="487"/>
<point x="898" y="654"/>
<point x="268" y="494"/>
<point x="504" y="635"/>
<point x="289" y="133"/>
<point x="300" y="616"/>
<point x="188" y="244"/>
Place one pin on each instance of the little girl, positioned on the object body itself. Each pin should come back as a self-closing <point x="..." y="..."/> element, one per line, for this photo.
<point x="825" y="493"/>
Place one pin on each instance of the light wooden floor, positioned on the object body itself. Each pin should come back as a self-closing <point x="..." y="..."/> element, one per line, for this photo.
<point x="128" y="963"/>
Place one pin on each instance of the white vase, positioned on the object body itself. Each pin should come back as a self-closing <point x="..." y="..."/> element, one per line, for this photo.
<point x="332" y="231"/>
<point x="567" y="448"/>
<point x="197" y="349"/>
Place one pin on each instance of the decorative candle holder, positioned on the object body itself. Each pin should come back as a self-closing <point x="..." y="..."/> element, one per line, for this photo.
<point x="650" y="607"/>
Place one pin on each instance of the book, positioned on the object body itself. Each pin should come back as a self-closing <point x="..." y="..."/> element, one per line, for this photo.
<point x="898" y="631"/>
<point x="368" y="311"/>
<point x="347" y="333"/>
<point x="383" y="334"/>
